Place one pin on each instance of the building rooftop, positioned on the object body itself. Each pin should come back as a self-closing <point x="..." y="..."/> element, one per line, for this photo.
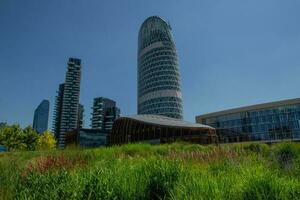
<point x="251" y="108"/>
<point x="165" y="121"/>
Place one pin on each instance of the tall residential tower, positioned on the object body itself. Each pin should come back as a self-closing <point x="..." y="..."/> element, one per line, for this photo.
<point x="67" y="102"/>
<point x="41" y="114"/>
<point x="104" y="114"/>
<point x="58" y="110"/>
<point x="159" y="90"/>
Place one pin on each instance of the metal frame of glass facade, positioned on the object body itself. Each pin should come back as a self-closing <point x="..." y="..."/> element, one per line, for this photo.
<point x="271" y="121"/>
<point x="159" y="89"/>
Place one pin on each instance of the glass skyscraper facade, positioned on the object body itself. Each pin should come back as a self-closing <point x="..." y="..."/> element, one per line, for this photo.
<point x="41" y="114"/>
<point x="159" y="90"/>
<point x="270" y="121"/>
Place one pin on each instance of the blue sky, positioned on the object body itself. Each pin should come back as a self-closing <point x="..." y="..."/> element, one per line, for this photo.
<point x="232" y="53"/>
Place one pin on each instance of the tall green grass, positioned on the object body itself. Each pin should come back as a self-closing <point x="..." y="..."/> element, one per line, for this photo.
<point x="142" y="171"/>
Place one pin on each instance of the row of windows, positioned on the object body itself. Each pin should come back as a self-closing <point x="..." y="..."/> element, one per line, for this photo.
<point x="151" y="36"/>
<point x="159" y="68"/>
<point x="149" y="106"/>
<point x="156" y="59"/>
<point x="279" y="110"/>
<point x="169" y="87"/>
<point x="161" y="99"/>
<point x="158" y="73"/>
<point x="156" y="54"/>
<point x="161" y="79"/>
<point x="259" y="113"/>
<point x="154" y="64"/>
<point x="158" y="49"/>
<point x="170" y="54"/>
<point x="278" y="135"/>
<point x="263" y="128"/>
<point x="160" y="85"/>
<point x="276" y="118"/>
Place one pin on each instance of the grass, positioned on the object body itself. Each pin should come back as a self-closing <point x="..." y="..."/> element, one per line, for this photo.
<point x="142" y="171"/>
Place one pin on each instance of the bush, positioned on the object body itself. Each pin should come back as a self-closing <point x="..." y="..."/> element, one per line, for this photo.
<point x="270" y="186"/>
<point x="286" y="155"/>
<point x="258" y="148"/>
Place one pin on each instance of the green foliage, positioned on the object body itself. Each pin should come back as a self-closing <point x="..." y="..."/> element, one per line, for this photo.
<point x="29" y="138"/>
<point x="141" y="171"/>
<point x="16" y="138"/>
<point x="286" y="154"/>
<point x="259" y="148"/>
<point x="46" y="141"/>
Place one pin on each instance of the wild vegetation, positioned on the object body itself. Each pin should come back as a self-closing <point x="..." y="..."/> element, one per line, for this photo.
<point x="14" y="138"/>
<point x="142" y="171"/>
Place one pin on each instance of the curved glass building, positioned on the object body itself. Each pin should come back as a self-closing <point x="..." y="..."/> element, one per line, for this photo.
<point x="159" y="90"/>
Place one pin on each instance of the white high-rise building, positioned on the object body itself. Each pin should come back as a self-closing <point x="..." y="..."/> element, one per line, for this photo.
<point x="159" y="89"/>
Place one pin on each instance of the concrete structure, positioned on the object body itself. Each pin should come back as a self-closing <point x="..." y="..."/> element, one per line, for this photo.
<point x="104" y="114"/>
<point x="41" y="116"/>
<point x="159" y="129"/>
<point x="268" y="121"/>
<point x="67" y="106"/>
<point x="159" y="90"/>
<point x="58" y="111"/>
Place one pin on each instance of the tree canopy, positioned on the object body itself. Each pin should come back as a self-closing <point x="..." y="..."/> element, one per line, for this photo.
<point x="14" y="138"/>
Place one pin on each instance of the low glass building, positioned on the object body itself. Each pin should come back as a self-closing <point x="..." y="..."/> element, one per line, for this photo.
<point x="269" y="121"/>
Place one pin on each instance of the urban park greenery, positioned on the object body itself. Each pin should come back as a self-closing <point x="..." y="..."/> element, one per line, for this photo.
<point x="14" y="138"/>
<point x="143" y="171"/>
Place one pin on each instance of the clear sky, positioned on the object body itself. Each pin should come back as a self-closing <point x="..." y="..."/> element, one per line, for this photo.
<point x="232" y="53"/>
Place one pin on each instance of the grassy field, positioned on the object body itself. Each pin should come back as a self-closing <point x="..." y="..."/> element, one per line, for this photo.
<point x="141" y="171"/>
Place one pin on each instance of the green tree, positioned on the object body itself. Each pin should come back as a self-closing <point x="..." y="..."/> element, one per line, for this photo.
<point x="29" y="139"/>
<point x="46" y="141"/>
<point x="10" y="136"/>
<point x="14" y="138"/>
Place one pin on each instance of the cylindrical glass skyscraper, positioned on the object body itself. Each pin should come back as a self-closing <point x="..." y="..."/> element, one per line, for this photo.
<point x="159" y="90"/>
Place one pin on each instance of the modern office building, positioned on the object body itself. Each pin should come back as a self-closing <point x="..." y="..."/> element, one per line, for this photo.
<point x="159" y="89"/>
<point x="104" y="114"/>
<point x="58" y="111"/>
<point x="159" y="129"/>
<point x="70" y="100"/>
<point x="269" y="121"/>
<point x="41" y="115"/>
<point x="86" y="138"/>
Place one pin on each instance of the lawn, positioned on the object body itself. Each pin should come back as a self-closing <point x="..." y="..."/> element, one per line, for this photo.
<point x="143" y="171"/>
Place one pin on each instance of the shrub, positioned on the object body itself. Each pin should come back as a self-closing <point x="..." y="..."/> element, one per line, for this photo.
<point x="286" y="154"/>
<point x="270" y="186"/>
<point x="161" y="178"/>
<point x="258" y="148"/>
